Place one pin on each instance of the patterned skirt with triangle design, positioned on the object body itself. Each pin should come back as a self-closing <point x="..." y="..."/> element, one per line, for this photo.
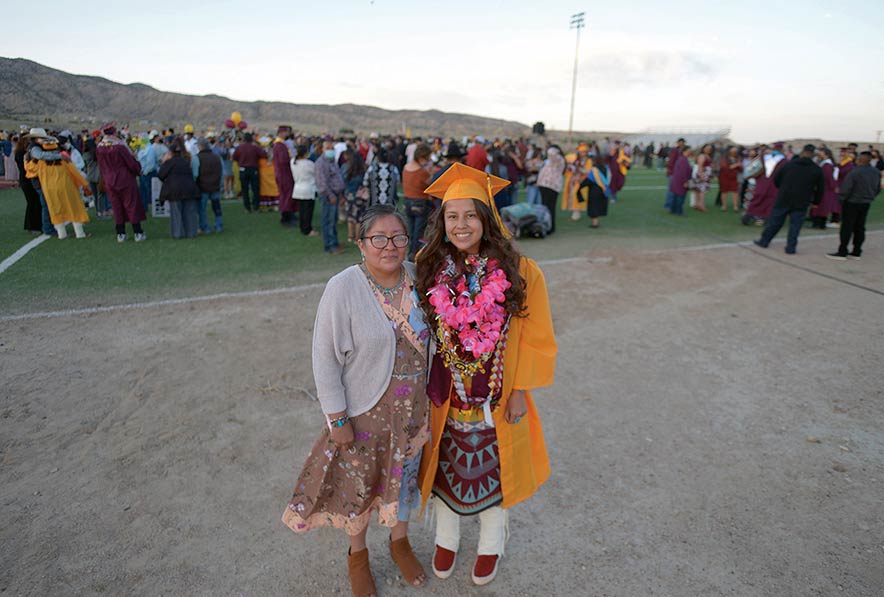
<point x="468" y="477"/>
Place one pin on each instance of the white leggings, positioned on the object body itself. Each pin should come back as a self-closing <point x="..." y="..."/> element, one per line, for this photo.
<point x="492" y="529"/>
<point x="62" y="230"/>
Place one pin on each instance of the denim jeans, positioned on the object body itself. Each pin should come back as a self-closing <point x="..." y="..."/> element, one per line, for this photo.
<point x="248" y="180"/>
<point x="667" y="205"/>
<point x="46" y="221"/>
<point x="328" y="220"/>
<point x="215" y="198"/>
<point x="417" y="214"/>
<point x="533" y="194"/>
<point x="144" y="189"/>
<point x="776" y="220"/>
<point x="676" y="205"/>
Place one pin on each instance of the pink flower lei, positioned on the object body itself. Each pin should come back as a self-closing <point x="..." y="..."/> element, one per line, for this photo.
<point x="469" y="311"/>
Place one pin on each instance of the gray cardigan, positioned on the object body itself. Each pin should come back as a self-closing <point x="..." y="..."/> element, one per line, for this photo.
<point x="354" y="345"/>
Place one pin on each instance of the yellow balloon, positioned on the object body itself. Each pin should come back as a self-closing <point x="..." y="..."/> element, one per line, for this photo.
<point x="236" y="117"/>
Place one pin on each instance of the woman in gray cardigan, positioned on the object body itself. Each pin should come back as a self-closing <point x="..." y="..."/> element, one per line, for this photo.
<point x="370" y="365"/>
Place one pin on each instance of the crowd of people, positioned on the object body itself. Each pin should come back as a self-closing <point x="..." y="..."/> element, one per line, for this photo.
<point x="763" y="184"/>
<point x="746" y="177"/>
<point x="128" y="176"/>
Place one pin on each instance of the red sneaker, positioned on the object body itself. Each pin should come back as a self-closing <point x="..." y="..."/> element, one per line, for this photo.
<point x="443" y="562"/>
<point x="485" y="569"/>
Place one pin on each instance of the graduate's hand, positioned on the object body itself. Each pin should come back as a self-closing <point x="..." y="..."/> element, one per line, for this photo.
<point x="342" y="436"/>
<point x="516" y="407"/>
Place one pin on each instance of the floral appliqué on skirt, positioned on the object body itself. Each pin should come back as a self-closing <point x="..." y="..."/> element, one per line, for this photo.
<point x="341" y="488"/>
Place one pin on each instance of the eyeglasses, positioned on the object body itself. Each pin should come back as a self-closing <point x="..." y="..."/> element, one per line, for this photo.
<point x="379" y="241"/>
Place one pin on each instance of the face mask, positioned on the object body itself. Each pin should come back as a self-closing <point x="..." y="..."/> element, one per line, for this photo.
<point x="330" y="153"/>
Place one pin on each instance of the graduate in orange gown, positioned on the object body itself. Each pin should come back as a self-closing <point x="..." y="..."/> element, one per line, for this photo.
<point x="494" y="344"/>
<point x="61" y="183"/>
<point x="268" y="189"/>
<point x="575" y="173"/>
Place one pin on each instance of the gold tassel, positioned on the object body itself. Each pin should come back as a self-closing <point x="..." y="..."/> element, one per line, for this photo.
<point x="503" y="229"/>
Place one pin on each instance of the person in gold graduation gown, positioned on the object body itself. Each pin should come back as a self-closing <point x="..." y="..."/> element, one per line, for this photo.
<point x="61" y="183"/>
<point x="268" y="188"/>
<point x="493" y="343"/>
<point x="575" y="173"/>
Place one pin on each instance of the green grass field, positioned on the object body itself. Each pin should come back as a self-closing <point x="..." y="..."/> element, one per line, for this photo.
<point x="255" y="252"/>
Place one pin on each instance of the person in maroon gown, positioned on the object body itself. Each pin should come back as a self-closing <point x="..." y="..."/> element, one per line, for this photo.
<point x="616" y="180"/>
<point x="765" y="189"/>
<point x="119" y="171"/>
<point x="284" y="181"/>
<point x="819" y="214"/>
<point x="729" y="169"/>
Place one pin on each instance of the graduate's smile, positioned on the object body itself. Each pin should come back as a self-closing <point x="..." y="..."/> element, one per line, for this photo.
<point x="463" y="225"/>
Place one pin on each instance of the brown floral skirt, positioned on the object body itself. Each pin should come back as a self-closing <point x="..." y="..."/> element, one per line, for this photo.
<point x="341" y="488"/>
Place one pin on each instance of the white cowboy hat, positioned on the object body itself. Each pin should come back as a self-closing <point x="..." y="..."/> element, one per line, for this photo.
<point x="37" y="133"/>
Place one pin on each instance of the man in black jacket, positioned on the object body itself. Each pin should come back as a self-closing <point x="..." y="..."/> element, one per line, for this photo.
<point x="859" y="188"/>
<point x="799" y="183"/>
<point x="208" y="178"/>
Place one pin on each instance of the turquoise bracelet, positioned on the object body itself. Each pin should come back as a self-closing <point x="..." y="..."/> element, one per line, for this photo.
<point x="339" y="422"/>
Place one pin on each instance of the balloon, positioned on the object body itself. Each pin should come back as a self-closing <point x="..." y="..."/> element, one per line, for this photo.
<point x="243" y="125"/>
<point x="236" y="117"/>
<point x="230" y="124"/>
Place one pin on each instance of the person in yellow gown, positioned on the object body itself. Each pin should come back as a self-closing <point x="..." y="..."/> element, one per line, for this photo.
<point x="578" y="166"/>
<point x="268" y="189"/>
<point x="61" y="183"/>
<point x="493" y="344"/>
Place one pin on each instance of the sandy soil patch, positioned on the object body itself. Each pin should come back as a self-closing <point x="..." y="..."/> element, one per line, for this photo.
<point x="715" y="429"/>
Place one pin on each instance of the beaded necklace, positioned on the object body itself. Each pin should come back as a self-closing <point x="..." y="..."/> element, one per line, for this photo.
<point x="387" y="293"/>
<point x="464" y="292"/>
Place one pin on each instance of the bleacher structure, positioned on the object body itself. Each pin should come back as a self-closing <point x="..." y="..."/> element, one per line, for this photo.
<point x="693" y="136"/>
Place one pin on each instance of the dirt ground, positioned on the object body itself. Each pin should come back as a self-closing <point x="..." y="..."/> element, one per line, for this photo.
<point x="715" y="429"/>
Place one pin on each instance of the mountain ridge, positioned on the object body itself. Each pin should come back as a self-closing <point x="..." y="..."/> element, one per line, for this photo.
<point x="30" y="91"/>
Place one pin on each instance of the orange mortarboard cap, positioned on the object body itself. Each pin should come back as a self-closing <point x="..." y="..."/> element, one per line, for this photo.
<point x="462" y="182"/>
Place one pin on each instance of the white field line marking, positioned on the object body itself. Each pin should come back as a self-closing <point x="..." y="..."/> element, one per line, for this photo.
<point x="164" y="303"/>
<point x="288" y="289"/>
<point x="12" y="259"/>
<point x="748" y="243"/>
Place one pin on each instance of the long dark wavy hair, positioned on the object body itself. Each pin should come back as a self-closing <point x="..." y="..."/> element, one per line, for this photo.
<point x="432" y="258"/>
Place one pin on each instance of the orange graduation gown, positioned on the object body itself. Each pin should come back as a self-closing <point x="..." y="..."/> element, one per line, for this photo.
<point x="60" y="182"/>
<point x="267" y="179"/>
<point x="528" y="362"/>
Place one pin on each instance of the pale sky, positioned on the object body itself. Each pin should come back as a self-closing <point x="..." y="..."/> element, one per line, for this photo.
<point x="770" y="69"/>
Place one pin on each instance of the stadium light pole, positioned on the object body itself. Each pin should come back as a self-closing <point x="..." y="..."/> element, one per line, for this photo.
<point x="576" y="23"/>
